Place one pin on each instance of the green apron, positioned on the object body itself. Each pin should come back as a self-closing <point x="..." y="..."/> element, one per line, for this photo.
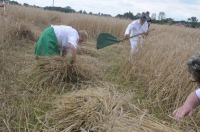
<point x="47" y="44"/>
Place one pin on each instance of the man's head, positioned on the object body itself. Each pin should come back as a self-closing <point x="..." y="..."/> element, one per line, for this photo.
<point x="83" y="36"/>
<point x="143" y="18"/>
<point x="147" y="13"/>
<point x="194" y="67"/>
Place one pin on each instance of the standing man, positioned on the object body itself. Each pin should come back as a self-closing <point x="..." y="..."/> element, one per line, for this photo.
<point x="136" y="27"/>
<point x="60" y="40"/>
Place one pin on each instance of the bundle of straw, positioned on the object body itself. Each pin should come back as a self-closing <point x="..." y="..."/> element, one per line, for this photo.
<point x="100" y="109"/>
<point x="48" y="71"/>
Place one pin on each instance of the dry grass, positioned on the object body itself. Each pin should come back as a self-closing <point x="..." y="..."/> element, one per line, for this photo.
<point x="13" y="32"/>
<point x="89" y="51"/>
<point x="160" y="70"/>
<point x="101" y="109"/>
<point x="92" y="24"/>
<point x="95" y="24"/>
<point x="157" y="76"/>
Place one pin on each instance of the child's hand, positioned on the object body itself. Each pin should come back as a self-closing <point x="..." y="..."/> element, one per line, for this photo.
<point x="182" y="112"/>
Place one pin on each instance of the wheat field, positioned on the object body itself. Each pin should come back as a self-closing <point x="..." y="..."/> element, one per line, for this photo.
<point x="107" y="91"/>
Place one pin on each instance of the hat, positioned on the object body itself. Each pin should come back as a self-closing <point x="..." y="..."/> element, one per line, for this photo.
<point x="143" y="17"/>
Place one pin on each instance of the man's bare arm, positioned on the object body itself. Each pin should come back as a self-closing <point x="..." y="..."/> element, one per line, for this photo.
<point x="73" y="52"/>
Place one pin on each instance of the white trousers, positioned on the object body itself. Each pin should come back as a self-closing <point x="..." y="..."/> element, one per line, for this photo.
<point x="135" y="44"/>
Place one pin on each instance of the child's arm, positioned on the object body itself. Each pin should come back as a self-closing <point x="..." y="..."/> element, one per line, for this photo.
<point x="187" y="108"/>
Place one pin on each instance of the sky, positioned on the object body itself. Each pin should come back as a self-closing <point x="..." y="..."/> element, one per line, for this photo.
<point x="176" y="9"/>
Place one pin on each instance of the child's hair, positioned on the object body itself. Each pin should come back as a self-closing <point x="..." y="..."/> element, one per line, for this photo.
<point x="194" y="67"/>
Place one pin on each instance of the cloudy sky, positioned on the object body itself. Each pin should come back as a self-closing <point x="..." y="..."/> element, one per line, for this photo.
<point x="176" y="9"/>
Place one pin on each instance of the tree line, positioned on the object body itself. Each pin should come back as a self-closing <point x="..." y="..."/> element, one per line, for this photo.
<point x="156" y="18"/>
<point x="68" y="9"/>
<point x="161" y="19"/>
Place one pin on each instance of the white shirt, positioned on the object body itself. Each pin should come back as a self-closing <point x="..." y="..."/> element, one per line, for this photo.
<point x="135" y="28"/>
<point x="198" y="93"/>
<point x="66" y="36"/>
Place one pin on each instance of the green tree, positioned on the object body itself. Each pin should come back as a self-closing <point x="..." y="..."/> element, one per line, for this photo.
<point x="161" y="16"/>
<point x="153" y="16"/>
<point x="127" y="15"/>
<point x="168" y="21"/>
<point x="194" y="19"/>
<point x="25" y="4"/>
<point x="189" y="19"/>
<point x="14" y="3"/>
<point x="68" y="9"/>
<point x="6" y="1"/>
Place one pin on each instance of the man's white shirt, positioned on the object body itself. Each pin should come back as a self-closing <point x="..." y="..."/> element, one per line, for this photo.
<point x="198" y="93"/>
<point x="66" y="36"/>
<point x="135" y="28"/>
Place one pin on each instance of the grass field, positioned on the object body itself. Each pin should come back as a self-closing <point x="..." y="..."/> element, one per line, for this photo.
<point x="106" y="91"/>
